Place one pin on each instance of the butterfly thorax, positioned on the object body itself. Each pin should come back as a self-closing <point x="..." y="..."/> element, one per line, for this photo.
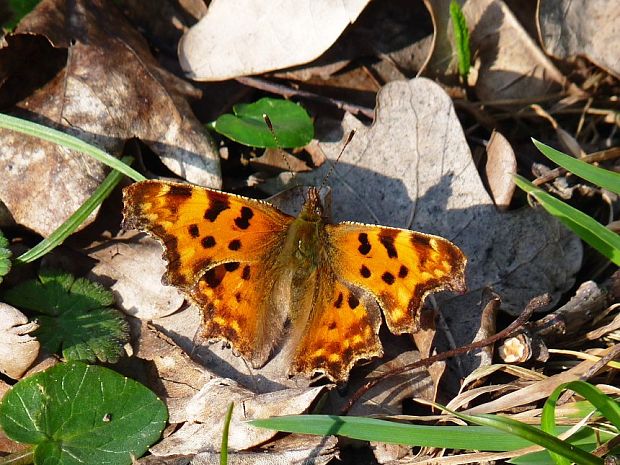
<point x="305" y="233"/>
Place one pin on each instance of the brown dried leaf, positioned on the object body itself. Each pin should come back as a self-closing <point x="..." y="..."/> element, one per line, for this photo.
<point x="533" y="392"/>
<point x="18" y="350"/>
<point x="278" y="160"/>
<point x="174" y="376"/>
<point x="510" y="64"/>
<point x="501" y="164"/>
<point x="110" y="90"/>
<point x="240" y="38"/>
<point x="131" y="266"/>
<point x="290" y="450"/>
<point x="568" y="28"/>
<point x="205" y="415"/>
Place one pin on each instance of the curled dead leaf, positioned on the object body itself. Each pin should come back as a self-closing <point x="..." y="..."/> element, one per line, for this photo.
<point x="18" y="350"/>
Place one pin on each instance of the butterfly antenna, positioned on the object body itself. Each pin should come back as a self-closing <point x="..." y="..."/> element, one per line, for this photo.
<point x="275" y="138"/>
<point x="333" y="167"/>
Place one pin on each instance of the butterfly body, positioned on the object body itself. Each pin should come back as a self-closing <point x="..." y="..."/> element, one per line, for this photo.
<point x="264" y="279"/>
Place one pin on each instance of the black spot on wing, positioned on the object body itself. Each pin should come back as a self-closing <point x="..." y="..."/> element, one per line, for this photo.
<point x="403" y="271"/>
<point x="353" y="301"/>
<point x="235" y="244"/>
<point x="418" y="239"/>
<point x="338" y="302"/>
<point x="207" y="242"/>
<point x="193" y="230"/>
<point x="364" y="271"/>
<point x="364" y="247"/>
<point x="180" y="190"/>
<point x="387" y="237"/>
<point x="245" y="274"/>
<point x="243" y="221"/>
<point x="214" y="276"/>
<point x="217" y="206"/>
<point x="388" y="278"/>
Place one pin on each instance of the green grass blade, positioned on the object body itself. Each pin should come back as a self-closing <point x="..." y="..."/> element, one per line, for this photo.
<point x="224" y="447"/>
<point x="76" y="219"/>
<point x="532" y="434"/>
<point x="71" y="142"/>
<point x="599" y="176"/>
<point x="608" y="407"/>
<point x="461" y="38"/>
<point x="370" y="429"/>
<point x="598" y="236"/>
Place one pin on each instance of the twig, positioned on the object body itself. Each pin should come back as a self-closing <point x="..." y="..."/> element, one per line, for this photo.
<point x="286" y="91"/>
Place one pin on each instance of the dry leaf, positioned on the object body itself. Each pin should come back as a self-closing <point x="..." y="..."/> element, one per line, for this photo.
<point x="533" y="392"/>
<point x="131" y="266"/>
<point x="243" y="37"/>
<point x="510" y="64"/>
<point x="206" y="411"/>
<point x="501" y="165"/>
<point x="175" y="376"/>
<point x="18" y="350"/>
<point x="111" y="89"/>
<point x="278" y="160"/>
<point x="589" y="28"/>
<point x="290" y="450"/>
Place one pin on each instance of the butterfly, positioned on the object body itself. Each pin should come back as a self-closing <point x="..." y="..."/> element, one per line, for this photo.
<point x="264" y="279"/>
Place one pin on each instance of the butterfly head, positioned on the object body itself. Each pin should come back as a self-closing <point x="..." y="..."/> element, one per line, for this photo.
<point x="312" y="209"/>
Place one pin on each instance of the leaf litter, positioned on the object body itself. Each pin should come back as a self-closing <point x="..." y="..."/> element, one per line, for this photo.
<point x="412" y="168"/>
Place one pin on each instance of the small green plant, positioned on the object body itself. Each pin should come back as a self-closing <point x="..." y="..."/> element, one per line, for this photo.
<point x="78" y="414"/>
<point x="291" y="124"/>
<point x="461" y="38"/>
<point x="587" y="228"/>
<point x="74" y="316"/>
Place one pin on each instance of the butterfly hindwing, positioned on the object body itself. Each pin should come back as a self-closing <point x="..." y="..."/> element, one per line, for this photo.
<point x="397" y="266"/>
<point x="341" y="329"/>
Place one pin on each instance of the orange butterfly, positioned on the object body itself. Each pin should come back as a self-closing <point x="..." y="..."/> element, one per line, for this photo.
<point x="260" y="276"/>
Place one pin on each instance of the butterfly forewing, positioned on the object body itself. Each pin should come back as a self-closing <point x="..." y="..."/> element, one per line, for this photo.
<point x="201" y="228"/>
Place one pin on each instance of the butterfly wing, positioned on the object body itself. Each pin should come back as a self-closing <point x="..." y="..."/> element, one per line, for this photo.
<point x="221" y="252"/>
<point x="341" y="328"/>
<point x="397" y="266"/>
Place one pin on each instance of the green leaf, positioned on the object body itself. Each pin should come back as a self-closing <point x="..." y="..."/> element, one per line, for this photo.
<point x="18" y="9"/>
<point x="534" y="435"/>
<point x="76" y="219"/>
<point x="599" y="176"/>
<point x="224" y="445"/>
<point x="5" y="256"/>
<point x="291" y="124"/>
<point x="608" y="407"/>
<point x="598" y="236"/>
<point x="370" y="429"/>
<point x="74" y="316"/>
<point x="461" y="37"/>
<point x="76" y="414"/>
